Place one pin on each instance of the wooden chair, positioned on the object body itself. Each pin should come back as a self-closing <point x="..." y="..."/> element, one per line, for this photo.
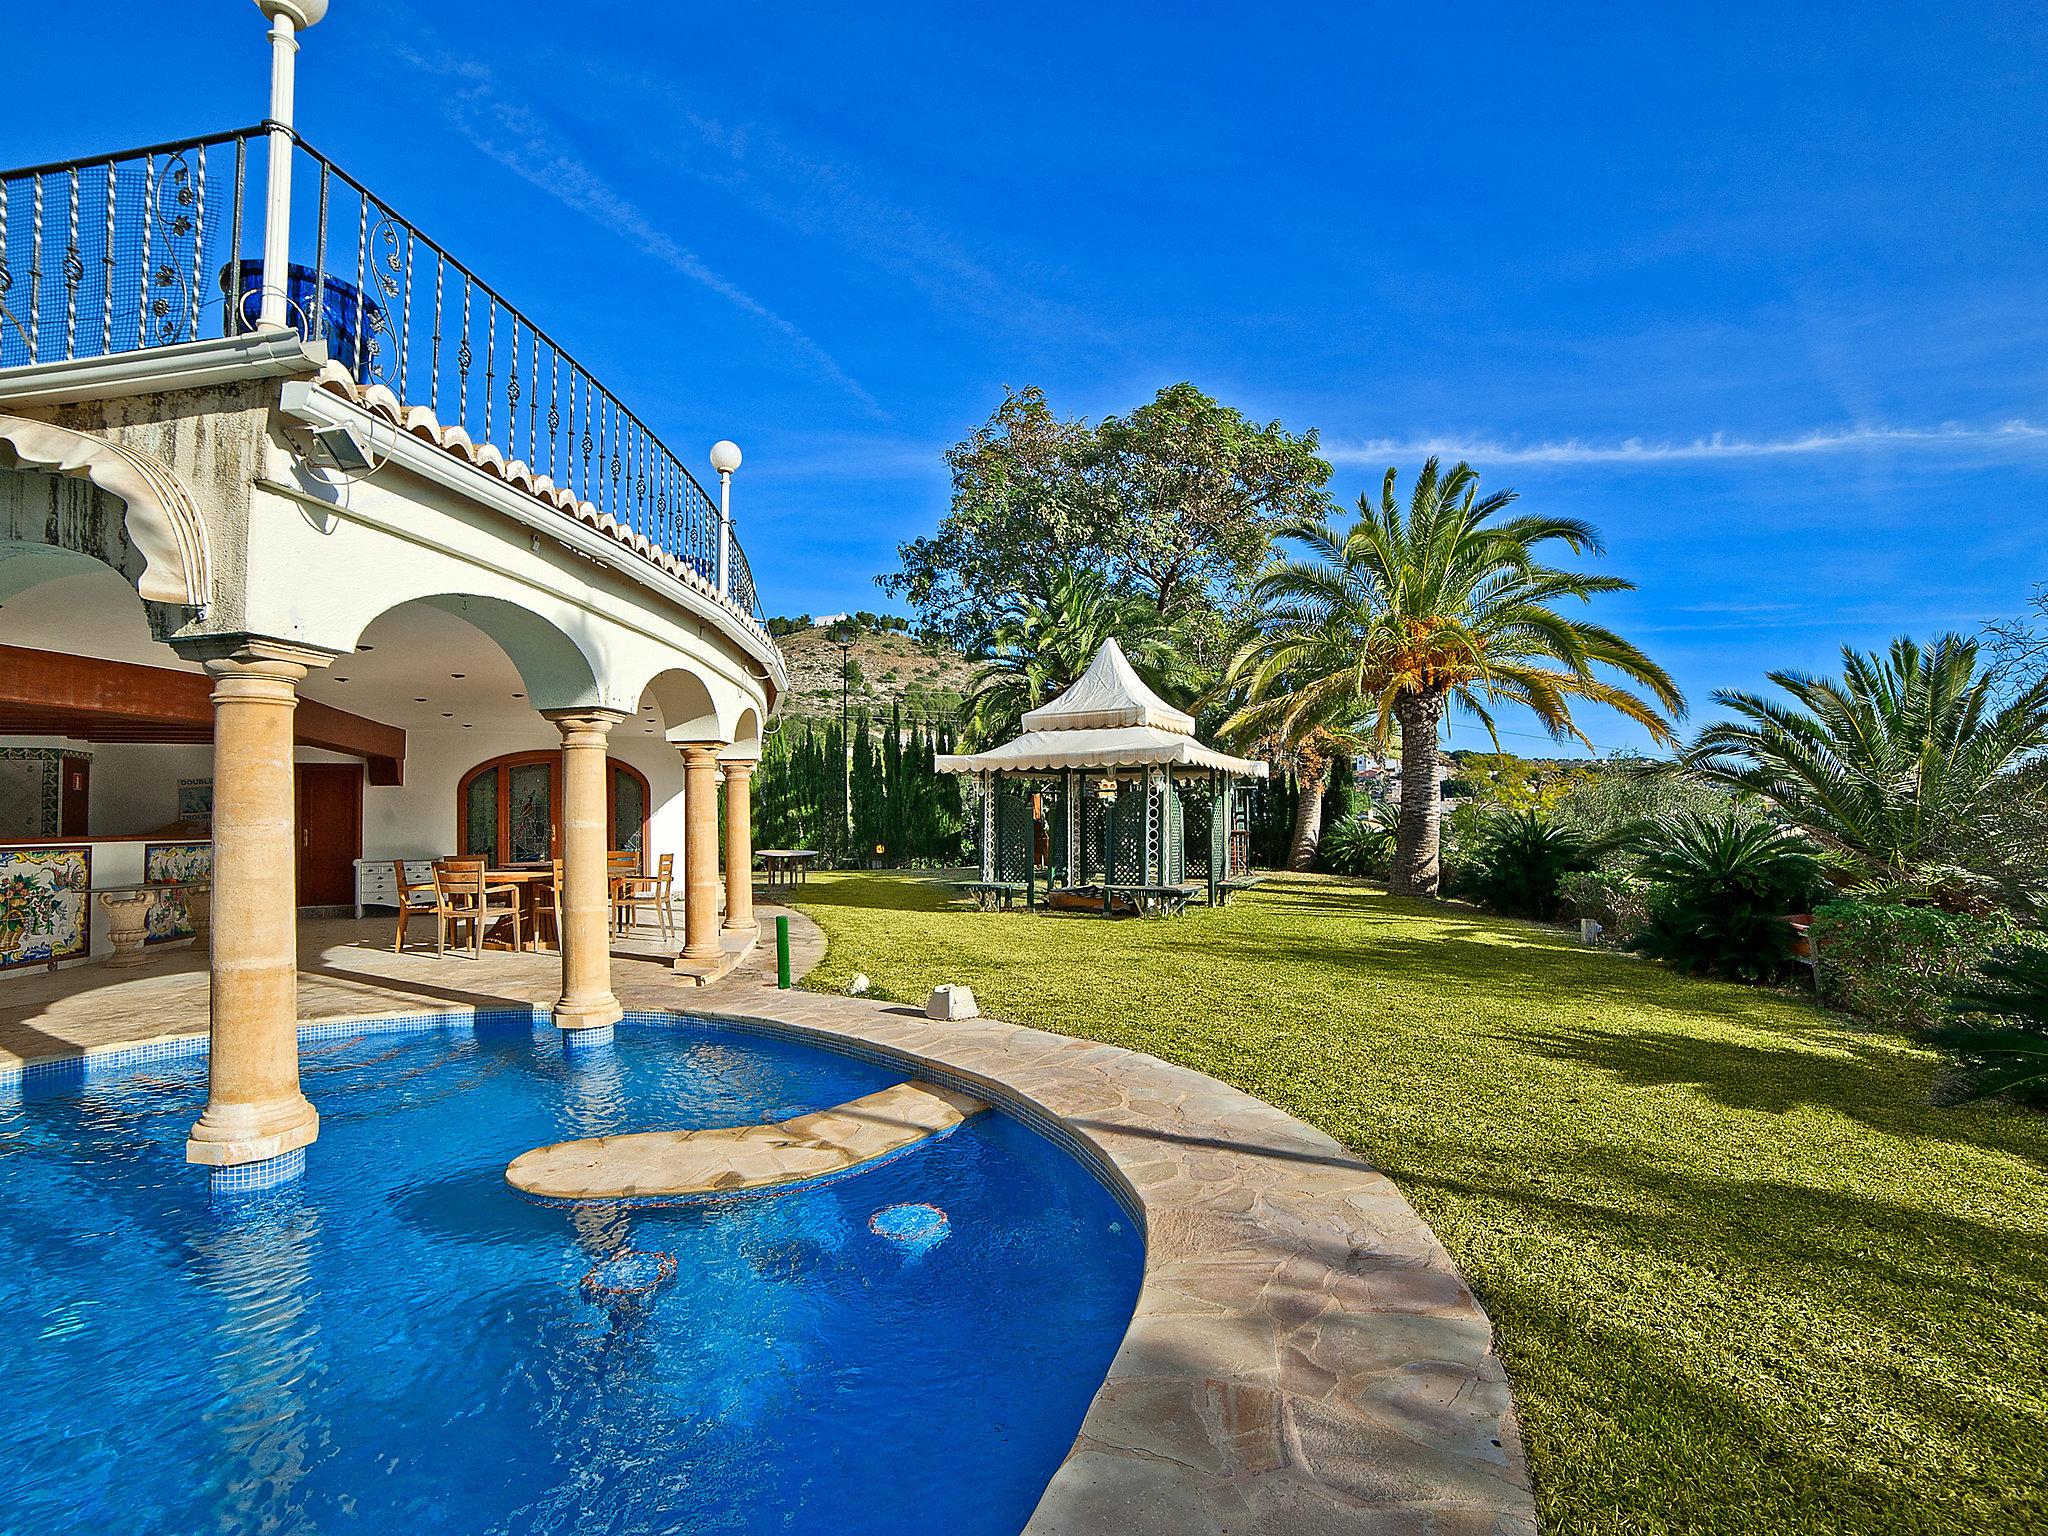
<point x="631" y="892"/>
<point x="621" y="865"/>
<point x="414" y="899"/>
<point x="466" y="898"/>
<point x="549" y="906"/>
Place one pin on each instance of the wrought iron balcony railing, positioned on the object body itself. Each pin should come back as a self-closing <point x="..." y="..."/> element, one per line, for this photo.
<point x="153" y="246"/>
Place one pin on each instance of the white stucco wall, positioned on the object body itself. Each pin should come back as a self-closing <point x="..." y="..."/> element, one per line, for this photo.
<point x="418" y="819"/>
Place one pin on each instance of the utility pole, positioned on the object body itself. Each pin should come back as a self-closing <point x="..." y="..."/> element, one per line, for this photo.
<point x="845" y="635"/>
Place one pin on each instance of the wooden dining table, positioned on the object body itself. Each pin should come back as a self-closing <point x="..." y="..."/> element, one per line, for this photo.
<point x="531" y="881"/>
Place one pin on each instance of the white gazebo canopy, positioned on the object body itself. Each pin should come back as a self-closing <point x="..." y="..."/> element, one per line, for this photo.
<point x="1107" y="719"/>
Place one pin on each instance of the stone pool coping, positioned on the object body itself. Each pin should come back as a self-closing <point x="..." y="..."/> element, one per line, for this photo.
<point x="1304" y="1357"/>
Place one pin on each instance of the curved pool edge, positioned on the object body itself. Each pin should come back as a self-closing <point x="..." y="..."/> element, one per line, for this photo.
<point x="1303" y="1349"/>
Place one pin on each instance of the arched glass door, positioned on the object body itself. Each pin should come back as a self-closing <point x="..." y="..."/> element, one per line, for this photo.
<point x="510" y="808"/>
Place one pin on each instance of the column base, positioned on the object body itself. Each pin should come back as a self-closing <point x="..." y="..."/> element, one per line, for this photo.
<point x="234" y="1135"/>
<point x="751" y="927"/>
<point x="268" y="1173"/>
<point x="575" y="1014"/>
<point x="594" y="1037"/>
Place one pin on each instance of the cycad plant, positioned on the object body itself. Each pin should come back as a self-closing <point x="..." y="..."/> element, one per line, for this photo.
<point x="1909" y="769"/>
<point x="2000" y="1037"/>
<point x="1722" y="886"/>
<point x="1361" y="843"/>
<point x="1416" y="606"/>
<point x="1039" y="647"/>
<point x="1522" y="860"/>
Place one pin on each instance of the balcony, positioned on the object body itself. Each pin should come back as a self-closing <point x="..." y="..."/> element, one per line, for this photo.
<point x="152" y="247"/>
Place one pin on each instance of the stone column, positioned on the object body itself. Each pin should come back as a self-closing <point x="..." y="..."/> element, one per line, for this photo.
<point x="700" y="853"/>
<point x="739" y="845"/>
<point x="254" y="1110"/>
<point x="586" y="1001"/>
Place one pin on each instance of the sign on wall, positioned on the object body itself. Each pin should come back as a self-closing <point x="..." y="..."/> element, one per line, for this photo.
<point x="195" y="801"/>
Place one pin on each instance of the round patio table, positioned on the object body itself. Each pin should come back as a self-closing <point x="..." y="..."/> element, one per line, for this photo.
<point x="786" y="867"/>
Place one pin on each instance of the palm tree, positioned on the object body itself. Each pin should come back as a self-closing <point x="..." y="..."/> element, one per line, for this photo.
<point x="1908" y="769"/>
<point x="1388" y="623"/>
<point x="1039" y="647"/>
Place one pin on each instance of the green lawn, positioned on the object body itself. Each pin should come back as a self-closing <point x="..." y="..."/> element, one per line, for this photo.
<point x="1745" y="1278"/>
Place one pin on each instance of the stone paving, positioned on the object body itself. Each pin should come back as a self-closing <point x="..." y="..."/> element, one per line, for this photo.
<point x="1304" y="1359"/>
<point x="646" y="1164"/>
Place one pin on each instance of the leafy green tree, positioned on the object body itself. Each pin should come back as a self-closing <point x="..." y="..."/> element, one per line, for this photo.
<point x="1023" y="512"/>
<point x="1904" y="769"/>
<point x="1175" y="502"/>
<point x="1191" y="493"/>
<point x="1412" y="608"/>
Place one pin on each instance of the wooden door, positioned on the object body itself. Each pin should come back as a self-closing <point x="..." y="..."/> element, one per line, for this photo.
<point x="74" y="793"/>
<point x="330" y="824"/>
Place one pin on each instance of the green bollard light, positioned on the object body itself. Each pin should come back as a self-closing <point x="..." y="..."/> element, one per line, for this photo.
<point x="782" y="953"/>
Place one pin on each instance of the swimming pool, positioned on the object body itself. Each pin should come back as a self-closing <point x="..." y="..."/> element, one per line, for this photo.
<point x="401" y="1343"/>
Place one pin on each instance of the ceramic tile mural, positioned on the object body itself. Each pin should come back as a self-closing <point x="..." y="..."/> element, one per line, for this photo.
<point x="43" y="911"/>
<point x="168" y="918"/>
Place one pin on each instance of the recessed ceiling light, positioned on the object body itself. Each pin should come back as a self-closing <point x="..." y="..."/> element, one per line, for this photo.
<point x="458" y="674"/>
<point x="366" y="647"/>
<point x="467" y="726"/>
<point x="341" y="679"/>
<point x="518" y="695"/>
<point x="447" y="714"/>
<point x="419" y="701"/>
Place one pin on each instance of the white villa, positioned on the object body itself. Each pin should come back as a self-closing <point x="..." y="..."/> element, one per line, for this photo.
<point x="316" y="555"/>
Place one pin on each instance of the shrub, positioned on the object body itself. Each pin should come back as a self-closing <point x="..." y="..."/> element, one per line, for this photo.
<point x="1900" y="964"/>
<point x="1999" y="1039"/>
<point x="1721" y="886"/>
<point x="1619" y="903"/>
<point x="1359" y="844"/>
<point x="1520" y="860"/>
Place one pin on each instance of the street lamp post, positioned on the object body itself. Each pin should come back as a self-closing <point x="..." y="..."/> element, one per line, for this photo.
<point x="725" y="458"/>
<point x="288" y="18"/>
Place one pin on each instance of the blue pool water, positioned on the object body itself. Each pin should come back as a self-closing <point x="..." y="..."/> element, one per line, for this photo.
<point x="401" y="1344"/>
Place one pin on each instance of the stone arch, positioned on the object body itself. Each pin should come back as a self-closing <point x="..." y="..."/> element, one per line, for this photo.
<point x="162" y="521"/>
<point x="687" y="707"/>
<point x="746" y="734"/>
<point x="557" y="672"/>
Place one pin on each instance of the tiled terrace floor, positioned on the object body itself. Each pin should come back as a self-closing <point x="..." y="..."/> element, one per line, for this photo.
<point x="1305" y="1360"/>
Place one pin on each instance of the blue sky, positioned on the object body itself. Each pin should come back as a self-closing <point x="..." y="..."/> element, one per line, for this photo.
<point x="1761" y="290"/>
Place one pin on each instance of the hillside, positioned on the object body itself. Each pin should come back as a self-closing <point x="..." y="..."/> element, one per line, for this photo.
<point x="885" y="669"/>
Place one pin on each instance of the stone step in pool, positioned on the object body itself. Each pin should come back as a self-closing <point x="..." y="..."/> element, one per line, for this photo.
<point x="722" y="1160"/>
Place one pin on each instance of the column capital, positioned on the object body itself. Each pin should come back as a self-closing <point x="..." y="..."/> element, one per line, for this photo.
<point x="248" y="652"/>
<point x="700" y="754"/>
<point x="737" y="767"/>
<point x="584" y="727"/>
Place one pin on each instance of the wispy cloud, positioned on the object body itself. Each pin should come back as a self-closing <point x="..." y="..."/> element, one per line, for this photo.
<point x="2000" y="437"/>
<point x="517" y="138"/>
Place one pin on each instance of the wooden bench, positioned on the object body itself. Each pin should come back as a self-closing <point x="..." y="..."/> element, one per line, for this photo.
<point x="991" y="895"/>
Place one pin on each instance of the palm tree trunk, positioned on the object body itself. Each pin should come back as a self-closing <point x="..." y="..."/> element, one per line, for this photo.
<point x="1308" y="823"/>
<point x="1417" y="866"/>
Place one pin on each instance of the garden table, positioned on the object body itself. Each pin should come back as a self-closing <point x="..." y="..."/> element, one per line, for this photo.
<point x="786" y="866"/>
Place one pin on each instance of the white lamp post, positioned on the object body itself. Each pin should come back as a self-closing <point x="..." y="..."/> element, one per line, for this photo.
<point x="288" y="18"/>
<point x="725" y="458"/>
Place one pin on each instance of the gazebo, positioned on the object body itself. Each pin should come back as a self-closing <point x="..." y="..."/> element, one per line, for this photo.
<point x="1107" y="800"/>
